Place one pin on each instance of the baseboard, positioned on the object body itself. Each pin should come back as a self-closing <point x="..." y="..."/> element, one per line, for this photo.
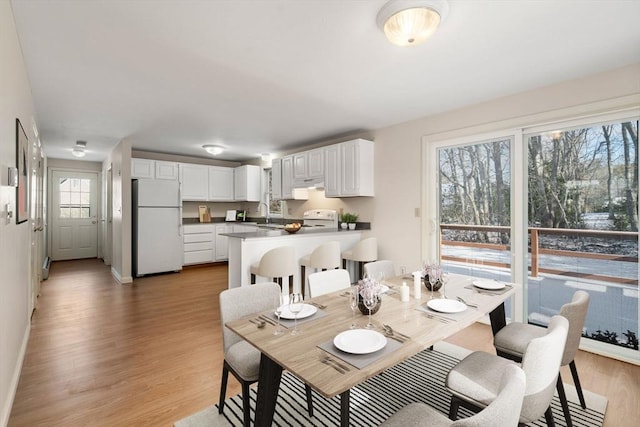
<point x="8" y="404"/>
<point x="120" y="279"/>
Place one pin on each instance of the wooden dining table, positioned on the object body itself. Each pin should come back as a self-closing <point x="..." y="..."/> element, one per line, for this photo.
<point x="300" y="355"/>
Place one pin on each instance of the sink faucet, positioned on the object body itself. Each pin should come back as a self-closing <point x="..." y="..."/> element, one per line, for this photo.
<point x="266" y="208"/>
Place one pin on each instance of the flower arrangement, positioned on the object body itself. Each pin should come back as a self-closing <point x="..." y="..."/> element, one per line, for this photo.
<point x="429" y="271"/>
<point x="369" y="288"/>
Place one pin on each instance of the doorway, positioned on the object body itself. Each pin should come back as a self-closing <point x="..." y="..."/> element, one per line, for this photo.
<point x="74" y="210"/>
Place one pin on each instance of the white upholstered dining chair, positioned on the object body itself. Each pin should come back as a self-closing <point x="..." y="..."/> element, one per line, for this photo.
<point x="324" y="282"/>
<point x="383" y="267"/>
<point x="512" y="341"/>
<point x="241" y="358"/>
<point x="473" y="382"/>
<point x="503" y="411"/>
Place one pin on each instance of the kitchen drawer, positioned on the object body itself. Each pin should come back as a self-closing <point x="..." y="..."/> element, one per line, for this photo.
<point x="196" y="238"/>
<point x="198" y="257"/>
<point x="198" y="246"/>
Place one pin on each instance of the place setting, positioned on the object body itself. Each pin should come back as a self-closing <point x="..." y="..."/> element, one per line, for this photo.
<point x="289" y="312"/>
<point x="361" y="346"/>
<point x="441" y="308"/>
<point x="489" y="287"/>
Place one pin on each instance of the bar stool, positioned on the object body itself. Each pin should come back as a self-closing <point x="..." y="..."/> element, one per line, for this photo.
<point x="276" y="263"/>
<point x="366" y="250"/>
<point x="324" y="257"/>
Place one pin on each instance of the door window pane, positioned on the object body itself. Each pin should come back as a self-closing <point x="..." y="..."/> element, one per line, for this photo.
<point x="583" y="227"/>
<point x="75" y="198"/>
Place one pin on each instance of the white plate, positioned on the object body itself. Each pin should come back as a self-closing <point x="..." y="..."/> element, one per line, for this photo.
<point x="307" y="310"/>
<point x="488" y="284"/>
<point x="360" y="341"/>
<point x="446" y="305"/>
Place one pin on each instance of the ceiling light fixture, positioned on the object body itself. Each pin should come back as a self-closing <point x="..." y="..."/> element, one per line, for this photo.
<point x="213" y="149"/>
<point x="410" y="22"/>
<point x="80" y="149"/>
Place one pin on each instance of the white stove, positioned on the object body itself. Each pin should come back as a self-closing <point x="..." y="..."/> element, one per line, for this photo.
<point x="320" y="218"/>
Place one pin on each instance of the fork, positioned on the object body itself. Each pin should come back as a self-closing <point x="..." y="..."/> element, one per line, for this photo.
<point x="466" y="303"/>
<point x="330" y="362"/>
<point x="395" y="334"/>
<point x="320" y="306"/>
<point x="438" y="318"/>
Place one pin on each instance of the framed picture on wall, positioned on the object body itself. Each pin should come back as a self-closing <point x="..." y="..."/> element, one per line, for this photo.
<point x="22" y="163"/>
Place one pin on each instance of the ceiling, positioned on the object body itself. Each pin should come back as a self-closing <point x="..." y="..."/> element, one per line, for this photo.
<point x="268" y="76"/>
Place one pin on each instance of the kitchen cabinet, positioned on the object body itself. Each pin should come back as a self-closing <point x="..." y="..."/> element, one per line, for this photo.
<point x="222" y="242"/>
<point x="199" y="243"/>
<point x="154" y="169"/>
<point x="308" y="167"/>
<point x="356" y="168"/>
<point x="287" y="178"/>
<point x="142" y="168"/>
<point x="221" y="184"/>
<point x="194" y="180"/>
<point x="247" y="183"/>
<point x="166" y="170"/>
<point x="332" y="171"/>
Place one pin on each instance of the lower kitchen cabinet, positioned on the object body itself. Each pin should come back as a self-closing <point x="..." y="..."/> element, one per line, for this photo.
<point x="199" y="243"/>
<point x="222" y="242"/>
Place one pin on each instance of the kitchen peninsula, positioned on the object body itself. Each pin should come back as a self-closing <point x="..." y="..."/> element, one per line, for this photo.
<point x="247" y="248"/>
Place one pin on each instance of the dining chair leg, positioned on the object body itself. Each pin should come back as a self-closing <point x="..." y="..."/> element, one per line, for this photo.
<point x="576" y="383"/>
<point x="344" y="408"/>
<point x="253" y="279"/>
<point x="548" y="416"/>
<point x="453" y="408"/>
<point x="246" y="409"/>
<point x="291" y="287"/>
<point x="223" y="387"/>
<point x="307" y="389"/>
<point x="563" y="400"/>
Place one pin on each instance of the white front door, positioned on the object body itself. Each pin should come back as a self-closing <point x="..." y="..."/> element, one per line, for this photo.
<point x="37" y="217"/>
<point x="74" y="215"/>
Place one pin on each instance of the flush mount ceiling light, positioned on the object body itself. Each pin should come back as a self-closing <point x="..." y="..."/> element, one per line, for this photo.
<point x="80" y="149"/>
<point x="410" y="22"/>
<point x="213" y="149"/>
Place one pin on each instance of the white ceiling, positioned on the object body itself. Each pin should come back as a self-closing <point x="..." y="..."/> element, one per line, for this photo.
<point x="268" y="75"/>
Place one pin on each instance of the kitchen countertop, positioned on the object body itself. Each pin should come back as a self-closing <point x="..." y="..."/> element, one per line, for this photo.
<point x="276" y="232"/>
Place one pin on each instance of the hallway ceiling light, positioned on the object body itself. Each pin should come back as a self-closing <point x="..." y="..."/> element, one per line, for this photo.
<point x="80" y="149"/>
<point x="213" y="149"/>
<point x="410" y="22"/>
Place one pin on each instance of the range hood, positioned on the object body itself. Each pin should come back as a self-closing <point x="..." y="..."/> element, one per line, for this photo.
<point x="309" y="183"/>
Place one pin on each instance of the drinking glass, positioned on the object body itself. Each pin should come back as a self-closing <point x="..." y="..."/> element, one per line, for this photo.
<point x="353" y="303"/>
<point x="370" y="301"/>
<point x="432" y="279"/>
<point x="444" y="278"/>
<point x="296" y="301"/>
<point x="278" y="302"/>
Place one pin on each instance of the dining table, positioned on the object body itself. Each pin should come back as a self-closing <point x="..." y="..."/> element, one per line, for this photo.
<point x="408" y="328"/>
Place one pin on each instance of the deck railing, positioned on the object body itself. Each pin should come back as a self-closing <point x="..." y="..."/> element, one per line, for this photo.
<point x="535" y="234"/>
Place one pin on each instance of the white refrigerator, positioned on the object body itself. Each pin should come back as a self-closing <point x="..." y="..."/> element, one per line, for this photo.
<point x="157" y="226"/>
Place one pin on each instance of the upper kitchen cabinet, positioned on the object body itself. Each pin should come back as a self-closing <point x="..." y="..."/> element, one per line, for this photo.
<point x="349" y="169"/>
<point x="287" y="178"/>
<point x="167" y="170"/>
<point x="154" y="169"/>
<point x="247" y="183"/>
<point x="308" y="167"/>
<point x="194" y="180"/>
<point x="221" y="187"/>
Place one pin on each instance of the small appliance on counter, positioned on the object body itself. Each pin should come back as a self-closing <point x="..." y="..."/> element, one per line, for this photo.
<point x="204" y="214"/>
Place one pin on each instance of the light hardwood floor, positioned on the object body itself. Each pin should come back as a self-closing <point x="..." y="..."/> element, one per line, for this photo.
<point x="150" y="353"/>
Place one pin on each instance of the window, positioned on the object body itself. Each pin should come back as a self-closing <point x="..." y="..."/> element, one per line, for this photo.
<point x="275" y="206"/>
<point x="75" y="198"/>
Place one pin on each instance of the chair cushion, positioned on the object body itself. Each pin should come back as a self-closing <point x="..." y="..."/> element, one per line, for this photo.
<point x="515" y="337"/>
<point x="244" y="359"/>
<point x="254" y="268"/>
<point x="477" y="378"/>
<point x="417" y="414"/>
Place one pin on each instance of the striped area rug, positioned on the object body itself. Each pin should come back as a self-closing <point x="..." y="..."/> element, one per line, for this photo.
<point x="419" y="379"/>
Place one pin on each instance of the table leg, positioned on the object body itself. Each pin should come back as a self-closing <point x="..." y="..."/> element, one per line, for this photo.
<point x="344" y="408"/>
<point x="268" y="385"/>
<point x="498" y="319"/>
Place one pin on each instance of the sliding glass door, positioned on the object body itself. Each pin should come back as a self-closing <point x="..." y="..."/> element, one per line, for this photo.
<point x="554" y="208"/>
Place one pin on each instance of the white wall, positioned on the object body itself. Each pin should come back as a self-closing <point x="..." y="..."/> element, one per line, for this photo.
<point x="15" y="102"/>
